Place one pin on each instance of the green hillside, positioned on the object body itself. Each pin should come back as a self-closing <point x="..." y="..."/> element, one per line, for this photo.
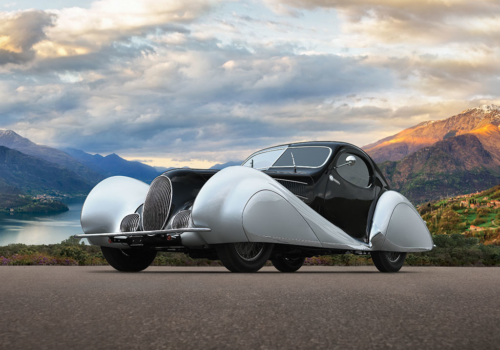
<point x="473" y="215"/>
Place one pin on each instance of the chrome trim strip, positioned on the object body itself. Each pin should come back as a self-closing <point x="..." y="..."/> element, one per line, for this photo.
<point x="145" y="233"/>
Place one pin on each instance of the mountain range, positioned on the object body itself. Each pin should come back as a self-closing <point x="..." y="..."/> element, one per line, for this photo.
<point x="113" y="165"/>
<point x="26" y="167"/>
<point x="434" y="159"/>
<point x="24" y="173"/>
<point x="446" y="157"/>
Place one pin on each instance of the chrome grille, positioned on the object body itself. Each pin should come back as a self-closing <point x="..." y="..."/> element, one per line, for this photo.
<point x="181" y="219"/>
<point x="157" y="204"/>
<point x="297" y="188"/>
<point x="130" y="223"/>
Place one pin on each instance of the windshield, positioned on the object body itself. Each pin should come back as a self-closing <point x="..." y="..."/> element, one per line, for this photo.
<point x="264" y="159"/>
<point x="309" y="156"/>
<point x="312" y="157"/>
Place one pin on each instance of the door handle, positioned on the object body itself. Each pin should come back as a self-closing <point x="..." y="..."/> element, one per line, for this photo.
<point x="331" y="178"/>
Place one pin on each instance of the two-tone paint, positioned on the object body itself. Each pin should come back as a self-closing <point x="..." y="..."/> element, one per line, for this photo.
<point x="302" y="206"/>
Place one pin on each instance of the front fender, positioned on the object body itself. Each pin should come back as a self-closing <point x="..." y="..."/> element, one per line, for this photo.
<point x="108" y="203"/>
<point x="242" y="204"/>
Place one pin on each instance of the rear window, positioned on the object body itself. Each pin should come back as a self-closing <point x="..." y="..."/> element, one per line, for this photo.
<point x="304" y="157"/>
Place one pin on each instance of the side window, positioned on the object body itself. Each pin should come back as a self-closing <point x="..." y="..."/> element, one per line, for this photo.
<point x="357" y="174"/>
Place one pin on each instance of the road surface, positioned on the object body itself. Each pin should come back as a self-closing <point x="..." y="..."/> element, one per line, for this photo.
<point x="209" y="308"/>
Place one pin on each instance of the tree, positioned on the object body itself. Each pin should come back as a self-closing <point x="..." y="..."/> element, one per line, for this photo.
<point x="449" y="221"/>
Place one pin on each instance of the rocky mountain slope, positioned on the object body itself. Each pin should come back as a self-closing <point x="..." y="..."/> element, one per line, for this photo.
<point x="23" y="173"/>
<point x="435" y="159"/>
<point x="453" y="166"/>
<point x="12" y="140"/>
<point x="483" y="122"/>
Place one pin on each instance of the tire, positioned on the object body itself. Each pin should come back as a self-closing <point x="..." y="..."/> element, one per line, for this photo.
<point x="244" y="257"/>
<point x="388" y="261"/>
<point x="285" y="264"/>
<point x="129" y="260"/>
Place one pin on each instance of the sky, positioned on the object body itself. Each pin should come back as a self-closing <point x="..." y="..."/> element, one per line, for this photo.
<point x="194" y="83"/>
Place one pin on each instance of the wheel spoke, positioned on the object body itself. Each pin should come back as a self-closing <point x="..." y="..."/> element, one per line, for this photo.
<point x="393" y="256"/>
<point x="249" y="251"/>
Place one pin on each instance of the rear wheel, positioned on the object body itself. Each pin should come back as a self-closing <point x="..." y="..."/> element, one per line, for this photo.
<point x="285" y="264"/>
<point x="244" y="257"/>
<point x="129" y="260"/>
<point x="388" y="261"/>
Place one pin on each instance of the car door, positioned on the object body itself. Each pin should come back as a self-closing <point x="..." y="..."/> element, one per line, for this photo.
<point x="350" y="192"/>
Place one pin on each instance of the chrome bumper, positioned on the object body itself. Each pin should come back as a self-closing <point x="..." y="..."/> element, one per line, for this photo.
<point x="145" y="233"/>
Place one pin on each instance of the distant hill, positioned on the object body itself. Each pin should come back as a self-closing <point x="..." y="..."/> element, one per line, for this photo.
<point x="10" y="139"/>
<point x="482" y="122"/>
<point x="450" y="167"/>
<point x="443" y="157"/>
<point x="21" y="172"/>
<point x="225" y="165"/>
<point x="162" y="169"/>
<point x="113" y="165"/>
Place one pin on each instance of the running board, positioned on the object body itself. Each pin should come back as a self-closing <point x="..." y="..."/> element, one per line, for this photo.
<point x="146" y="233"/>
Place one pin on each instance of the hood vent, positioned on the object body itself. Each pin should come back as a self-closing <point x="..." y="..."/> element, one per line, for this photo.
<point x="296" y="187"/>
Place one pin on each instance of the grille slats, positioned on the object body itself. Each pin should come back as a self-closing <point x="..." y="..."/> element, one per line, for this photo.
<point x="297" y="188"/>
<point x="130" y="223"/>
<point x="157" y="204"/>
<point x="181" y="219"/>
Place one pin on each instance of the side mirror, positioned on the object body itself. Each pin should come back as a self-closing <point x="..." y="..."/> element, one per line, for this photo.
<point x="350" y="161"/>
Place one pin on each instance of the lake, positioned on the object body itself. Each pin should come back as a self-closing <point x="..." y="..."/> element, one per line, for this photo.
<point x="41" y="228"/>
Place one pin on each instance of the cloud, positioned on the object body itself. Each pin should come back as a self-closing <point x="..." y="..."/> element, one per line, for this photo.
<point x="19" y="32"/>
<point x="410" y="21"/>
<point x="211" y="82"/>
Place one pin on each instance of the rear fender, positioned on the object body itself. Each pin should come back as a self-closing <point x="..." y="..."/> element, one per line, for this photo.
<point x="398" y="227"/>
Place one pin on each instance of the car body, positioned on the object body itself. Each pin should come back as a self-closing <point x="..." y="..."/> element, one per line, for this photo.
<point x="284" y="203"/>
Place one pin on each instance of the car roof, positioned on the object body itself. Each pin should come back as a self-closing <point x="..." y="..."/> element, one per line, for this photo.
<point x="331" y="144"/>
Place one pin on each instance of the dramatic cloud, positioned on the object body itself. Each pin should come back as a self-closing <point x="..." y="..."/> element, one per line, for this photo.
<point x="19" y="32"/>
<point x="203" y="82"/>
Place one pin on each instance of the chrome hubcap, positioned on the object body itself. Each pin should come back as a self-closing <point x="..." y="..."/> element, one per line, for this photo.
<point x="392" y="256"/>
<point x="249" y="251"/>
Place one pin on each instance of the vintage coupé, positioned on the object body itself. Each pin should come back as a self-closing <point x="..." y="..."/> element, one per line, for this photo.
<point x="283" y="204"/>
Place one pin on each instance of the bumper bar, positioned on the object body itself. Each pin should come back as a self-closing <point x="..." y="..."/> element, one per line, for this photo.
<point x="145" y="233"/>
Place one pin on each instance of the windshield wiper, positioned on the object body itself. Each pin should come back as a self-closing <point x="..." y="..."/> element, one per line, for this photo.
<point x="293" y="160"/>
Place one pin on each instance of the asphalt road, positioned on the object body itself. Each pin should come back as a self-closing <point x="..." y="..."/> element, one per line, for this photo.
<point x="209" y="308"/>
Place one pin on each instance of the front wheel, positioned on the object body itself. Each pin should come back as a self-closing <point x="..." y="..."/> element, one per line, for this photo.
<point x="285" y="264"/>
<point x="129" y="260"/>
<point x="388" y="261"/>
<point x="244" y="257"/>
